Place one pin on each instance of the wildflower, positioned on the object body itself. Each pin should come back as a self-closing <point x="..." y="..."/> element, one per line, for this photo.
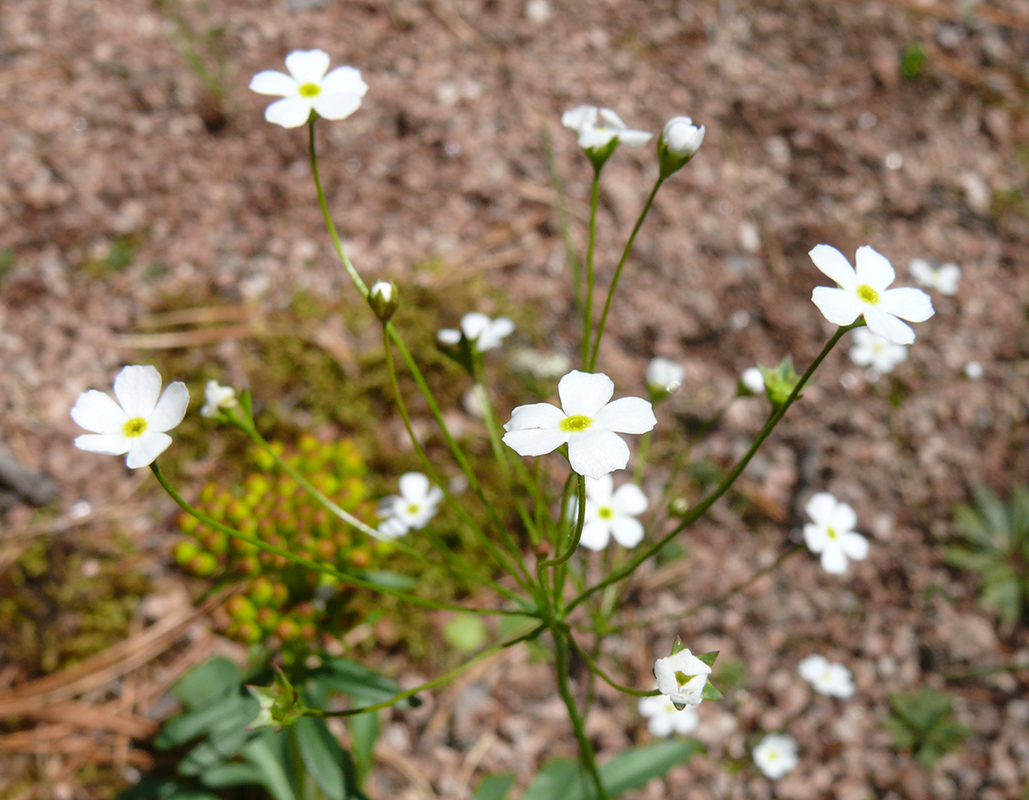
<point x="664" y="719"/>
<point x="480" y="330"/>
<point x="872" y="350"/>
<point x="216" y="398"/>
<point x="679" y="142"/>
<point x="664" y="376"/>
<point x="832" y="534"/>
<point x="864" y="292"/>
<point x="681" y="677"/>
<point x="827" y="677"/>
<point x="412" y="508"/>
<point x="943" y="278"/>
<point x="600" y="131"/>
<point x="586" y="422"/>
<point x="752" y="381"/>
<point x="137" y="422"/>
<point x="611" y="512"/>
<point x="776" y="755"/>
<point x="308" y="88"/>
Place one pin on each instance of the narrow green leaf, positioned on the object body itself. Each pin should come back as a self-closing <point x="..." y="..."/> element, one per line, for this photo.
<point x="364" y="731"/>
<point x="322" y="755"/>
<point x="265" y="751"/>
<point x="495" y="787"/>
<point x="634" y="768"/>
<point x="232" y="710"/>
<point x="358" y="681"/>
<point x="555" y="781"/>
<point x="223" y="776"/>
<point x="203" y="684"/>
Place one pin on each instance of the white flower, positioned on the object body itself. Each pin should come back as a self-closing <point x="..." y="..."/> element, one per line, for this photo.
<point x="664" y="719"/>
<point x="872" y="350"/>
<point x="943" y="278"/>
<point x="611" y="512"/>
<point x="776" y="755"/>
<point x="597" y="127"/>
<point x="681" y="677"/>
<point x="479" y="329"/>
<point x="827" y="677"/>
<point x="540" y="365"/>
<point x="664" y="376"/>
<point x="412" y="508"/>
<point x="865" y="292"/>
<point x="682" y="137"/>
<point x="973" y="370"/>
<point x="831" y="533"/>
<point x="308" y="88"/>
<point x="136" y="424"/>
<point x="217" y="397"/>
<point x="586" y="422"/>
<point x="753" y="381"/>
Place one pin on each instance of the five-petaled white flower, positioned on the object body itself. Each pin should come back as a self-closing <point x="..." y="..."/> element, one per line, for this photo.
<point x="664" y="376"/>
<point x="597" y="127"/>
<point x="664" y="719"/>
<point x="831" y="533"/>
<point x="137" y="422"/>
<point x="217" y="397"/>
<point x="864" y="292"/>
<point x="826" y="676"/>
<point x="943" y="278"/>
<point x="308" y="88"/>
<point x="776" y="755"/>
<point x="612" y="512"/>
<point x="872" y="350"/>
<point x="681" y="677"/>
<point x="483" y="332"/>
<point x="586" y="422"/>
<point x="412" y="508"/>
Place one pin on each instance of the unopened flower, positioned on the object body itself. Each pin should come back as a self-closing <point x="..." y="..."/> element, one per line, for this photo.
<point x="753" y="381"/>
<point x="383" y="298"/>
<point x="600" y="131"/>
<point x="831" y="533"/>
<point x="864" y="292"/>
<point x="480" y="330"/>
<point x="308" y="88"/>
<point x="216" y="398"/>
<point x="612" y="512"/>
<point x="776" y="755"/>
<point x="827" y="677"/>
<point x="943" y="278"/>
<point x="412" y="508"/>
<point x="872" y="350"/>
<point x="679" y="142"/>
<point x="587" y="422"/>
<point x="664" y="376"/>
<point x="664" y="719"/>
<point x="681" y="677"/>
<point x="137" y="423"/>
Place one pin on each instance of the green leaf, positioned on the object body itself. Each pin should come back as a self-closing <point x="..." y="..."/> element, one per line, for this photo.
<point x="495" y="787"/>
<point x="322" y="756"/>
<point x="266" y="752"/>
<point x="229" y="711"/>
<point x="151" y="788"/>
<point x="203" y="684"/>
<point x="364" y="731"/>
<point x="635" y="768"/>
<point x="555" y="781"/>
<point x="359" y="682"/>
<point x="389" y="580"/>
<point x="222" y="776"/>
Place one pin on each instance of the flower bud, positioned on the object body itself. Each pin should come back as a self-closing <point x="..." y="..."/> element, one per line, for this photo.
<point x="664" y="376"/>
<point x="384" y="299"/>
<point x="679" y="142"/>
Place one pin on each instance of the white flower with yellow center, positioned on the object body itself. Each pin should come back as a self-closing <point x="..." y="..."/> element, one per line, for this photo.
<point x="827" y="677"/>
<point x="137" y="422"/>
<point x="776" y="755"/>
<point x="412" y="508"/>
<point x="943" y="278"/>
<point x="864" y="292"/>
<point x="612" y="512"/>
<point x="308" y="88"/>
<point x="681" y="677"/>
<point x="480" y="330"/>
<point x="587" y="422"/>
<point x="874" y="351"/>
<point x="831" y="533"/>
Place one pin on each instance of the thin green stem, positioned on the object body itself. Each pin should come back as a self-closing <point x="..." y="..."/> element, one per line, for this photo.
<point x="587" y="313"/>
<point x="586" y="754"/>
<point x="580" y="522"/>
<point x="599" y="672"/>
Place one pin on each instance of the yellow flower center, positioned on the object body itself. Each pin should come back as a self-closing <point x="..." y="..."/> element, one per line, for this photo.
<point x="413" y="508"/>
<point x="831" y="533"/>
<point x="868" y="294"/>
<point x="134" y="427"/>
<point x="310" y="90"/>
<point x="575" y="423"/>
<point x="605" y="512"/>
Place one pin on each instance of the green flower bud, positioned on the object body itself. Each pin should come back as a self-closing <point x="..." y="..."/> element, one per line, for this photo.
<point x="384" y="299"/>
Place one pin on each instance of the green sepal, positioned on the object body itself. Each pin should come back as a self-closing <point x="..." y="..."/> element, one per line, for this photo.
<point x="709" y="658"/>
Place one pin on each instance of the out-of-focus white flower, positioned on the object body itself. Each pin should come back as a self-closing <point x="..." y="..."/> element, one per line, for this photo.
<point x="864" y="292"/>
<point x="664" y="719"/>
<point x="612" y="512"/>
<point x="540" y="365"/>
<point x="872" y="350"/>
<point x="480" y="330"/>
<point x="776" y="755"/>
<point x="664" y="376"/>
<point x="308" y="88"/>
<point x="217" y="397"/>
<point x="598" y="127"/>
<point x="681" y="677"/>
<point x="973" y="370"/>
<point x="137" y="423"/>
<point x="827" y="677"/>
<point x="943" y="278"/>
<point x="831" y="533"/>
<point x="412" y="508"/>
<point x="587" y="422"/>
<point x="753" y="381"/>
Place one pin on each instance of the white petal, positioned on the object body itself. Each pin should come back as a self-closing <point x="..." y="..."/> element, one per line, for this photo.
<point x="171" y="408"/>
<point x="661" y="724"/>
<point x="97" y="411"/>
<point x="843" y="518"/>
<point x="534" y="442"/>
<point x="626" y="415"/>
<point x="634" y="138"/>
<point x="146" y="448"/>
<point x="630" y="500"/>
<point x="907" y="303"/>
<point x="888" y="326"/>
<point x="344" y="80"/>
<point x="414" y="486"/>
<point x="308" y="66"/>
<point x="599" y="490"/>
<point x="835" y="265"/>
<point x="812" y="667"/>
<point x="834" y="561"/>
<point x="449" y="336"/>
<point x="854" y="545"/>
<point x="685" y="721"/>
<point x="595" y="535"/>
<point x="597" y="452"/>
<point x="584" y="393"/>
<point x="609" y="119"/>
<point x="596" y="138"/>
<point x="473" y="324"/>
<point x="543" y="416"/>
<point x="137" y="389"/>
<point x="839" y="306"/>
<point x="290" y="112"/>
<point x="336" y="106"/>
<point x="393" y="528"/>
<point x="108" y="444"/>
<point x="628" y="532"/>
<point x="821" y="507"/>
<point x="580" y="119"/>
<point x="874" y="269"/>
<point x="815" y="538"/>
<point x="274" y="83"/>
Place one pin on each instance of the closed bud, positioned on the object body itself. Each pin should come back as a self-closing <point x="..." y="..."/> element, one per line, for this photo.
<point x="679" y="142"/>
<point x="384" y="299"/>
